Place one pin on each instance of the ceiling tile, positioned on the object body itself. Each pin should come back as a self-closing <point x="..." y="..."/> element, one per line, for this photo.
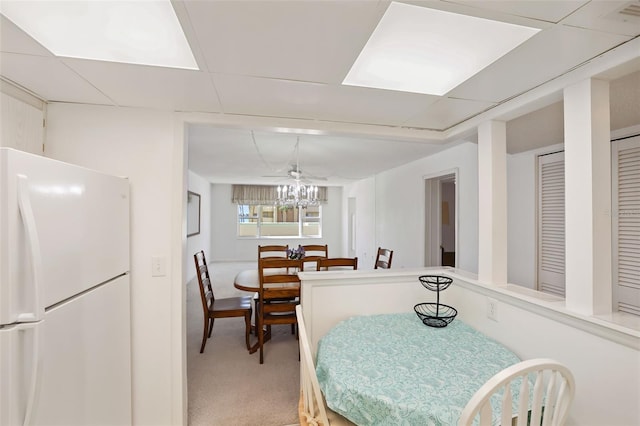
<point x="544" y="10"/>
<point x="14" y="40"/>
<point x="50" y="79"/>
<point x="544" y="56"/>
<point x="212" y="149"/>
<point x="294" y="40"/>
<point x="281" y="98"/>
<point x="446" y="113"/>
<point x="274" y="63"/>
<point x="150" y="87"/>
<point x="605" y="16"/>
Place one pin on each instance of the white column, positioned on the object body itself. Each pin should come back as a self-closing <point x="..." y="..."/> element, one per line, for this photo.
<point x="492" y="203"/>
<point x="587" y="197"/>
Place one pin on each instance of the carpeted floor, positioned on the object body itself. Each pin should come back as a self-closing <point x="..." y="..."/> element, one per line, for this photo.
<point x="227" y="386"/>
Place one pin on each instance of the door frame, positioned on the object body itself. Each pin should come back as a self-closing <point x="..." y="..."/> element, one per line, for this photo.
<point x="433" y="215"/>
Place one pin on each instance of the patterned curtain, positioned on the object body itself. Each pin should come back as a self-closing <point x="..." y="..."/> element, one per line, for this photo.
<point x="265" y="194"/>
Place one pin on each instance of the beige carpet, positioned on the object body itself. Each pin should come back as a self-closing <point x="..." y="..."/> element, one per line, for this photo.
<point x="227" y="386"/>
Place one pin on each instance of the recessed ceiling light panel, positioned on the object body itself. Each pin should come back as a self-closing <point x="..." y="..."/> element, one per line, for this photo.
<point x="422" y="50"/>
<point x="145" y="32"/>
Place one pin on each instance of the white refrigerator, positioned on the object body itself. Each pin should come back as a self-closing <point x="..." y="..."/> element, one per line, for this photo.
<point x="65" y="329"/>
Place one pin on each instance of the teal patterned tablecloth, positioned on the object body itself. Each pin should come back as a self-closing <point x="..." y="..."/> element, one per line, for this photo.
<point x="393" y="370"/>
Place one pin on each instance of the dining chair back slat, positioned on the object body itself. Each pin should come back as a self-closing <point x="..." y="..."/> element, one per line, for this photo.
<point x="337" y="263"/>
<point x="313" y="252"/>
<point x="272" y="251"/>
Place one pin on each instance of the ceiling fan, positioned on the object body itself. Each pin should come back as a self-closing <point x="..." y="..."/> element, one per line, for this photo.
<point x="294" y="172"/>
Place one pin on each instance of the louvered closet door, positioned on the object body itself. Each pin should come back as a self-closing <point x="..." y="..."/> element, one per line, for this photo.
<point x="551" y="224"/>
<point x="626" y="224"/>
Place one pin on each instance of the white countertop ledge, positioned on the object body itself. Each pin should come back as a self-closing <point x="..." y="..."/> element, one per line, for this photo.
<point x="619" y="327"/>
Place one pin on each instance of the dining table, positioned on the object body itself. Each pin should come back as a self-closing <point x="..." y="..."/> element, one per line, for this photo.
<point x="391" y="369"/>
<point x="247" y="280"/>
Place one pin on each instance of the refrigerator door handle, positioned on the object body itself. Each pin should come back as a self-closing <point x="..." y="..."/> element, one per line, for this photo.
<point x="21" y="362"/>
<point x="26" y="212"/>
<point x="35" y="371"/>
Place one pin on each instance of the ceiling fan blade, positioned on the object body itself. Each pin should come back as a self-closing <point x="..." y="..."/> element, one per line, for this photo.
<point x="312" y="177"/>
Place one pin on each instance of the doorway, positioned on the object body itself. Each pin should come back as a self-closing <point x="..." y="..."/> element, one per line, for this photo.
<point x="441" y="219"/>
<point x="351" y="214"/>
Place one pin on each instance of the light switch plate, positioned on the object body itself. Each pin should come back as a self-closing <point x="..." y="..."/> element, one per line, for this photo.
<point x="158" y="266"/>
<point x="492" y="309"/>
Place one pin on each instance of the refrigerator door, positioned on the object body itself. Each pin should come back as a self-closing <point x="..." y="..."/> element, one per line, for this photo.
<point x="63" y="230"/>
<point x="86" y="360"/>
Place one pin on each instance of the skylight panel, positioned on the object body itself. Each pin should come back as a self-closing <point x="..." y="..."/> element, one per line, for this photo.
<point x="140" y="32"/>
<point x="422" y="50"/>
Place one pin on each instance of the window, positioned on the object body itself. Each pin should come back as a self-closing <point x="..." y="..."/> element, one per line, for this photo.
<point x="259" y="216"/>
<point x="271" y="221"/>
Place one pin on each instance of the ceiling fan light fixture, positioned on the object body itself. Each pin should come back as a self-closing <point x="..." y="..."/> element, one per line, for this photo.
<point x="297" y="194"/>
<point x="429" y="51"/>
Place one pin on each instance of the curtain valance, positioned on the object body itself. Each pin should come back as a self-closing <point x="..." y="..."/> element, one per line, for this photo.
<point x="265" y="194"/>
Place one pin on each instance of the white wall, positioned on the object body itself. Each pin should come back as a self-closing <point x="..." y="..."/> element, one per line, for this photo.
<point x="226" y="246"/>
<point x="364" y="192"/>
<point x="22" y="118"/>
<point x="201" y="241"/>
<point x="521" y="216"/>
<point x="140" y="144"/>
<point x="399" y="208"/>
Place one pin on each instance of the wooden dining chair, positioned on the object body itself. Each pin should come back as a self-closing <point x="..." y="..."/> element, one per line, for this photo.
<point x="313" y="252"/>
<point x="219" y="308"/>
<point x="546" y="391"/>
<point x="337" y="263"/>
<point x="383" y="258"/>
<point x="278" y="295"/>
<point x="312" y="409"/>
<point x="271" y="251"/>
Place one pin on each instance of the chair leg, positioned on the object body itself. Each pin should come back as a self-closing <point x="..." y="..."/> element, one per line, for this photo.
<point x="204" y="334"/>
<point x="247" y="331"/>
<point x="257" y="314"/>
<point x="211" y="326"/>
<point x="261" y="339"/>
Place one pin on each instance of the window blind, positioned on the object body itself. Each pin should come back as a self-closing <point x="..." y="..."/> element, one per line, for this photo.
<point x="264" y="194"/>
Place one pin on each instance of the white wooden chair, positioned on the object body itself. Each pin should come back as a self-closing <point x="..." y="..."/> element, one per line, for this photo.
<point x="311" y="408"/>
<point x="548" y="400"/>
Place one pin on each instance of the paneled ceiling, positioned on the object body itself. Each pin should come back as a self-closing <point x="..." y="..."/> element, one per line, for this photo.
<point x="275" y="68"/>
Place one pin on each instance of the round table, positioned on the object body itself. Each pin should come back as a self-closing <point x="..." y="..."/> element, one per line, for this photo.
<point x="247" y="280"/>
<point x="393" y="370"/>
